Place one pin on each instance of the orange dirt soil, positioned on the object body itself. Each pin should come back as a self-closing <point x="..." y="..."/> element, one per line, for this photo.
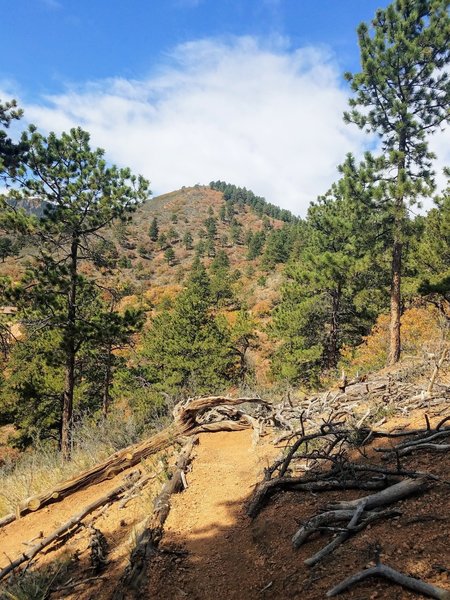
<point x="230" y="557"/>
<point x="227" y="555"/>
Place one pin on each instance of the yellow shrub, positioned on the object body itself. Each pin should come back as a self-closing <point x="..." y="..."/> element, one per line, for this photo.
<point x="421" y="332"/>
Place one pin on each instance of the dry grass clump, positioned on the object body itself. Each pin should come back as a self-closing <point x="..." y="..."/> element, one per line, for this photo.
<point x="36" y="584"/>
<point x="41" y="467"/>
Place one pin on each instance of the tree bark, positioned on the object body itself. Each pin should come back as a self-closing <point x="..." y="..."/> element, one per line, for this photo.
<point x="395" y="337"/>
<point x="333" y="351"/>
<point x="397" y="250"/>
<point x="70" y="350"/>
<point x="107" y="383"/>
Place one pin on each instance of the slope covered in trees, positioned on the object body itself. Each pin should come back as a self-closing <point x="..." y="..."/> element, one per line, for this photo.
<point x="122" y="300"/>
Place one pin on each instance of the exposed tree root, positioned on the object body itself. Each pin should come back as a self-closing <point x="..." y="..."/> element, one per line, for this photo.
<point x="380" y="570"/>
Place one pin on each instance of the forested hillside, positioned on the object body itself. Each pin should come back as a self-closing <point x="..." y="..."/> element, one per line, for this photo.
<point x="131" y="323"/>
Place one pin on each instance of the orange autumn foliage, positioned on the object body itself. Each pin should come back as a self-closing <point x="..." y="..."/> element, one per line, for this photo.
<point x="422" y="333"/>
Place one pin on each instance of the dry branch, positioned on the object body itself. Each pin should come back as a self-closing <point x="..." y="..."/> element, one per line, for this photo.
<point x="392" y="494"/>
<point x="380" y="570"/>
<point x="436" y="370"/>
<point x="69" y="527"/>
<point x="329" y="518"/>
<point x="265" y="489"/>
<point x="148" y="541"/>
<point x="341" y="538"/>
<point x="186" y="423"/>
<point x="358" y="513"/>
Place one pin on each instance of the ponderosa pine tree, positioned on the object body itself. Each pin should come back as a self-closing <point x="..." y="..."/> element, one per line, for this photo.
<point x="221" y="287"/>
<point x="402" y="94"/>
<point x="11" y="154"/>
<point x="433" y="254"/>
<point x="188" y="240"/>
<point x="83" y="196"/>
<point x="334" y="286"/>
<point x="243" y="338"/>
<point x="153" y="231"/>
<point x="110" y="331"/>
<point x="169" y="255"/>
<point x="187" y="349"/>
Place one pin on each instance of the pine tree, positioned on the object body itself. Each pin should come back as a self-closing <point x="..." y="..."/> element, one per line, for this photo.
<point x="83" y="197"/>
<point x="277" y="248"/>
<point x="11" y="154"/>
<point x="162" y="241"/>
<point x="256" y="245"/>
<point x="153" y="232"/>
<point x="187" y="349"/>
<point x="334" y="288"/>
<point x="235" y="231"/>
<point x="110" y="331"/>
<point x="8" y="247"/>
<point x="211" y="227"/>
<point x="210" y="248"/>
<point x="432" y="256"/>
<point x="403" y="90"/>
<point x="188" y="240"/>
<point x="169" y="255"/>
<point x="243" y="338"/>
<point x="221" y="280"/>
<point x="221" y="261"/>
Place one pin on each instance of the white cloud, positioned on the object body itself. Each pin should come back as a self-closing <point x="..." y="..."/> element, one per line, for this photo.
<point x="269" y="119"/>
<point x="187" y="3"/>
<point x="52" y="4"/>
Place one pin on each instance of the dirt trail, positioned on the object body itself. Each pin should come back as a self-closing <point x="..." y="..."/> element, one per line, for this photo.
<point x="230" y="557"/>
<point x="226" y="555"/>
<point x="208" y="521"/>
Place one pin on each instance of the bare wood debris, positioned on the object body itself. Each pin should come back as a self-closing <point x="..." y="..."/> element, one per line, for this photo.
<point x="190" y="418"/>
<point x="152" y="530"/>
<point x="68" y="528"/>
<point x="324" y="447"/>
<point x="380" y="570"/>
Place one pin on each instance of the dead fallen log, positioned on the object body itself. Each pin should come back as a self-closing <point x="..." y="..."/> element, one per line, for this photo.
<point x="330" y="518"/>
<point x="359" y="513"/>
<point x="185" y="423"/>
<point x="264" y="490"/>
<point x="187" y="413"/>
<point x="112" y="466"/>
<point x="392" y="494"/>
<point x="149" y="539"/>
<point x="380" y="570"/>
<point x="69" y="527"/>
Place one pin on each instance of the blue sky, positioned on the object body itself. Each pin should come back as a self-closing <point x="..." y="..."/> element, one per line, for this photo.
<point x="52" y="42"/>
<point x="186" y="91"/>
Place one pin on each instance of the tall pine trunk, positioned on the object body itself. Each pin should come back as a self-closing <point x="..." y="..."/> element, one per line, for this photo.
<point x="396" y="302"/>
<point x="70" y="350"/>
<point x="107" y="384"/>
<point x="333" y="343"/>
<point x="396" y="270"/>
